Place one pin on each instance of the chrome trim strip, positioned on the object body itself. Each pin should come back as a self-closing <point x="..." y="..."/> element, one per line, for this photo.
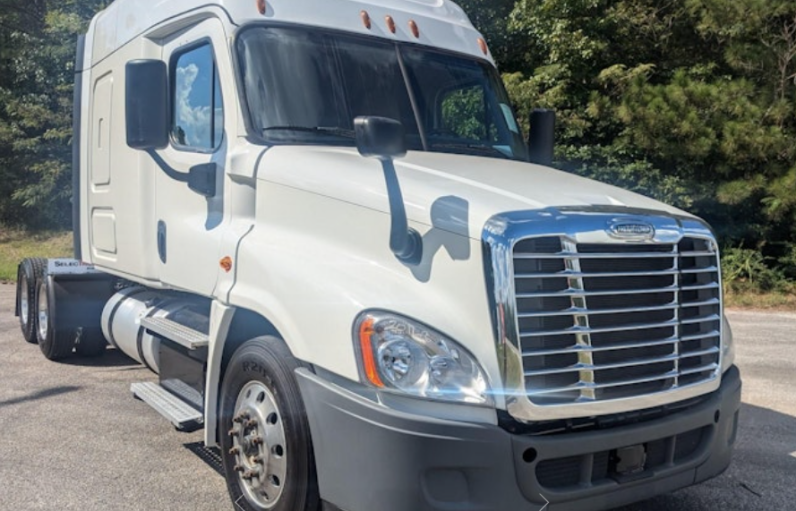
<point x="583" y="225"/>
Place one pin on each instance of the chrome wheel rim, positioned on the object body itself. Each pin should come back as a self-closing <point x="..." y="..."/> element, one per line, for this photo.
<point x="258" y="445"/>
<point x="44" y="316"/>
<point x="24" y="306"/>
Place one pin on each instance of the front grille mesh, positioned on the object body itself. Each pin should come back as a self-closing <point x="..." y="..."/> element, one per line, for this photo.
<point x="607" y="321"/>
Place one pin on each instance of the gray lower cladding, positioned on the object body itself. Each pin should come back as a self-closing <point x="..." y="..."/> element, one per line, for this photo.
<point x="370" y="457"/>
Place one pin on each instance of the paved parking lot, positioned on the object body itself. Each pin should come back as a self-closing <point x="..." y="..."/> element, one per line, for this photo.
<point x="72" y="437"/>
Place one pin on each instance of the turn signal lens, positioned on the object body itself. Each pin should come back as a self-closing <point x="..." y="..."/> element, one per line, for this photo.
<point x="366" y="332"/>
<point x="261" y="7"/>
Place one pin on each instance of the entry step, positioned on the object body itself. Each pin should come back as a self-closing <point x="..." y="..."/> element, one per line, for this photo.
<point x="178" y="412"/>
<point x="173" y="331"/>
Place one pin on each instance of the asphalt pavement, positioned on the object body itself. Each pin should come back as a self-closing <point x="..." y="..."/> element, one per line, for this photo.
<point x="73" y="437"/>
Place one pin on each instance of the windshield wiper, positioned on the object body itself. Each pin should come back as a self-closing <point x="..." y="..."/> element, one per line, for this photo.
<point x="479" y="148"/>
<point x="338" y="132"/>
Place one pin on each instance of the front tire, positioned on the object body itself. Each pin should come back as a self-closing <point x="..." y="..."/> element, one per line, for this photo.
<point x="265" y="437"/>
<point x="55" y="344"/>
<point x="29" y="274"/>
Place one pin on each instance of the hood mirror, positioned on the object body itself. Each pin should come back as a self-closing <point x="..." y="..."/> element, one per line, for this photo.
<point x="384" y="139"/>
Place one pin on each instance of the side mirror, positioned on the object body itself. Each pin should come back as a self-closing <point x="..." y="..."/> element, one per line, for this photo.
<point x="380" y="137"/>
<point x="147" y="104"/>
<point x="541" y="138"/>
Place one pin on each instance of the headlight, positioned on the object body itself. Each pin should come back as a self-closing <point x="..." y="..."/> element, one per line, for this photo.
<point x="400" y="354"/>
<point x="727" y="345"/>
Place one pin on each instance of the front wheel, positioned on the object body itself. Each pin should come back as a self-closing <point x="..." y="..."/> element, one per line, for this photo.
<point x="266" y="444"/>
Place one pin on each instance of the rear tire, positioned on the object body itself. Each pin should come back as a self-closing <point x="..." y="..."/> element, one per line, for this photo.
<point x="54" y="344"/>
<point x="91" y="343"/>
<point x="260" y="392"/>
<point x="29" y="274"/>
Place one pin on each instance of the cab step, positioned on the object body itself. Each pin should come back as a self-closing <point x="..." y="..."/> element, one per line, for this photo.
<point x="182" y="415"/>
<point x="183" y="335"/>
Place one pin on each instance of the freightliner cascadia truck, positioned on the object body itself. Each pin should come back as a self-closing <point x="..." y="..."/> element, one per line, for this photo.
<point x="319" y="223"/>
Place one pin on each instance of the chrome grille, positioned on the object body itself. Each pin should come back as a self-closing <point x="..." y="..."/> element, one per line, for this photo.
<point x="605" y="321"/>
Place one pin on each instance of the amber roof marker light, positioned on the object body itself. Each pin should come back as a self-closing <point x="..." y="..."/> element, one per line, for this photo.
<point x="484" y="47"/>
<point x="390" y="23"/>
<point x="261" y="7"/>
<point x="414" y="28"/>
<point x="365" y="19"/>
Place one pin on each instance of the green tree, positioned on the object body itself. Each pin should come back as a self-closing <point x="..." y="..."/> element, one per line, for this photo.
<point x="36" y="86"/>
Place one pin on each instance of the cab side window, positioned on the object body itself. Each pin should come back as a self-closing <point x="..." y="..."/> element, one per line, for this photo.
<point x="198" y="112"/>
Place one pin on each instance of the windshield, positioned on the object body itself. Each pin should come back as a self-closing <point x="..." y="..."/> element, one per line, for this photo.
<point x="307" y="86"/>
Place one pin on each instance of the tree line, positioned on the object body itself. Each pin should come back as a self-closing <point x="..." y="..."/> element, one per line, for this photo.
<point x="692" y="102"/>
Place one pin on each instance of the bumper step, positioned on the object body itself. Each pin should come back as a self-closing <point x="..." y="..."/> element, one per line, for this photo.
<point x="182" y="415"/>
<point x="173" y="331"/>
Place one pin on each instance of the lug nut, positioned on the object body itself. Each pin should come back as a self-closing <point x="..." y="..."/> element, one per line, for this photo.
<point x="232" y="432"/>
<point x="258" y="440"/>
<point x="234" y="451"/>
<point x="257" y="459"/>
<point x="237" y="468"/>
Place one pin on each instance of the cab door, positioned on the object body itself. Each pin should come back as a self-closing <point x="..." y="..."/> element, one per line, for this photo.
<point x="189" y="190"/>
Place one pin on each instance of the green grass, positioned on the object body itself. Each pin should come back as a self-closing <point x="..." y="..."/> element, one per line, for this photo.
<point x="773" y="301"/>
<point x="15" y="245"/>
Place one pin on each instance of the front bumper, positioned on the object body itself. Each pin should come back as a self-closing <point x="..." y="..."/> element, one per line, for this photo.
<point x="370" y="457"/>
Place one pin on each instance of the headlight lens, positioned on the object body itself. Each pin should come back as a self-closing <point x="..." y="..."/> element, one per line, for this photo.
<point x="400" y="354"/>
<point x="728" y="345"/>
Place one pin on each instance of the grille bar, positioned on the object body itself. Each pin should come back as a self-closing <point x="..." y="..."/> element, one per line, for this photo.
<point x="596" y="349"/>
<point x="584" y="293"/>
<point x="607" y="321"/>
<point x="576" y="255"/>
<point x="581" y="385"/>
<point x="633" y="363"/>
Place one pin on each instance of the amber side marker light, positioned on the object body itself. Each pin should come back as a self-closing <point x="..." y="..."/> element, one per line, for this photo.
<point x="368" y="359"/>
<point x="365" y="19"/>
<point x="261" y="6"/>
<point x="414" y="28"/>
<point x="226" y="264"/>
<point x="390" y="23"/>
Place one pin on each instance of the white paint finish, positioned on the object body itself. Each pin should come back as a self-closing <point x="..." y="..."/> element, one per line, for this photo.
<point x="488" y="185"/>
<point x="194" y="224"/>
<point x="311" y="264"/>
<point x="101" y="131"/>
<point x="130" y="190"/>
<point x="442" y="23"/>
<point x="220" y="320"/>
<point x="103" y="230"/>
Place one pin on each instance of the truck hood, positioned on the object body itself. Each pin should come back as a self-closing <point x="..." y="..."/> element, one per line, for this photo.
<point x="457" y="193"/>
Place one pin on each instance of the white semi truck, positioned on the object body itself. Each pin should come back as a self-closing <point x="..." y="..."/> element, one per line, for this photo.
<point x="319" y="223"/>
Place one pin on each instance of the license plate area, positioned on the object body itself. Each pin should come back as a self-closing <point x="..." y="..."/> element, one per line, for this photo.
<point x="628" y="463"/>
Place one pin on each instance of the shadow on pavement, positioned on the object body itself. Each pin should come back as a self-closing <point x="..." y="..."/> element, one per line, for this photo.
<point x="762" y="474"/>
<point x="111" y="358"/>
<point x="41" y="394"/>
<point x="210" y="455"/>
